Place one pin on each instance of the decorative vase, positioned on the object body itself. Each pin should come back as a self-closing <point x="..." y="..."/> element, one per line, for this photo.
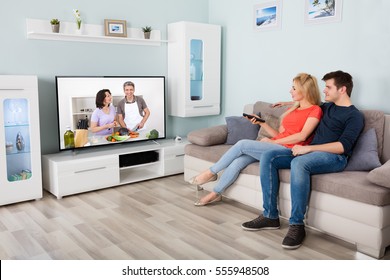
<point x="55" y="28"/>
<point x="147" y="35"/>
<point x="19" y="142"/>
<point x="79" y="28"/>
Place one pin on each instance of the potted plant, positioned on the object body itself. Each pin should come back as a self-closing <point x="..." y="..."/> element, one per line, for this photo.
<point x="147" y="30"/>
<point x="55" y="25"/>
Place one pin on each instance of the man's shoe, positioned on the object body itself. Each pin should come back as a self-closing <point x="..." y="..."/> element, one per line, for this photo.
<point x="294" y="237"/>
<point x="260" y="223"/>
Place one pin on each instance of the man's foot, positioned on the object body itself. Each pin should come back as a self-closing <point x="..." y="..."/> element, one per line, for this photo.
<point x="203" y="178"/>
<point x="260" y="223"/>
<point x="294" y="237"/>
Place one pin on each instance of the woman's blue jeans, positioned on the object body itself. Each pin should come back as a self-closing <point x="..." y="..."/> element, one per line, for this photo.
<point x="243" y="153"/>
<point x="302" y="167"/>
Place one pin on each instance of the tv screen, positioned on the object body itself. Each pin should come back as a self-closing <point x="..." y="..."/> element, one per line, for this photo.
<point x="109" y="110"/>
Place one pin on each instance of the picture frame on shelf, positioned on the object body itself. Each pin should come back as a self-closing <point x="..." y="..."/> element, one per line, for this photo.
<point x="322" y="11"/>
<point x="267" y="16"/>
<point x="115" y="28"/>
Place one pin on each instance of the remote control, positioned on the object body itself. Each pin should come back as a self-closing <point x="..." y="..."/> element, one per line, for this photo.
<point x="251" y="117"/>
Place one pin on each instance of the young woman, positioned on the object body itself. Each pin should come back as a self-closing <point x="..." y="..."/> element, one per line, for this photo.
<point x="296" y="128"/>
<point x="103" y="118"/>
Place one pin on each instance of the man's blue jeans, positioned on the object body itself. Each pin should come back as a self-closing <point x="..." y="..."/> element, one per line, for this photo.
<point x="302" y="167"/>
<point x="243" y="153"/>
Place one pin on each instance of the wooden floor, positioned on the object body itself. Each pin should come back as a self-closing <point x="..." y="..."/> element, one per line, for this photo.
<point x="154" y="219"/>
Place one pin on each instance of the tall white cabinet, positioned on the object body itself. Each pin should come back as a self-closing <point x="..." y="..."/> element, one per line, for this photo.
<point x="194" y="69"/>
<point x="20" y="152"/>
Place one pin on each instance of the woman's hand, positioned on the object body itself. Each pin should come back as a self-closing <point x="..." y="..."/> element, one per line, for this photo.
<point x="266" y="139"/>
<point x="111" y="125"/>
<point x="277" y="104"/>
<point x="282" y="103"/>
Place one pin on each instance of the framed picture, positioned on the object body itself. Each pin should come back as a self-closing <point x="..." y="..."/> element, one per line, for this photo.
<point x="322" y="11"/>
<point x="268" y="15"/>
<point x="116" y="28"/>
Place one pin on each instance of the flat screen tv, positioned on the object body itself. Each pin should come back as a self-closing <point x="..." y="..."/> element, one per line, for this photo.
<point x="78" y="101"/>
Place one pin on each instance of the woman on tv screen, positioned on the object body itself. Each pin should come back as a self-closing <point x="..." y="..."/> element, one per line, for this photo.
<point x="103" y="119"/>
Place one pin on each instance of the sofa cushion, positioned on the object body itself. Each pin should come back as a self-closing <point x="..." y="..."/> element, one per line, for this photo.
<point x="365" y="153"/>
<point x="380" y="175"/>
<point x="266" y="108"/>
<point x="239" y="128"/>
<point x="352" y="185"/>
<point x="375" y="119"/>
<point x="209" y="153"/>
<point x="208" y="136"/>
<point x="272" y="121"/>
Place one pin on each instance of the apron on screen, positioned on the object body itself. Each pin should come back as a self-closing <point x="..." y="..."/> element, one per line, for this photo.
<point x="132" y="116"/>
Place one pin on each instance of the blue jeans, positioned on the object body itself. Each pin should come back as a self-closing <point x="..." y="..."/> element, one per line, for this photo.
<point x="243" y="153"/>
<point x="302" y="167"/>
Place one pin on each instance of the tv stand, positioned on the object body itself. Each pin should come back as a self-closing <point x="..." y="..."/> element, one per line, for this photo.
<point x="69" y="172"/>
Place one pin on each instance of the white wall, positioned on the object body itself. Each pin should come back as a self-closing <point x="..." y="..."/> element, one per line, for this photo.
<point x="255" y="65"/>
<point x="260" y="64"/>
<point x="46" y="59"/>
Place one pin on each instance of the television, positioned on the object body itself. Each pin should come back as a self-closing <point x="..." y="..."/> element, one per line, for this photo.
<point x="76" y="105"/>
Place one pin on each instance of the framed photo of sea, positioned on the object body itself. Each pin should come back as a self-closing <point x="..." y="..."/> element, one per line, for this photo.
<point x="322" y="11"/>
<point x="267" y="16"/>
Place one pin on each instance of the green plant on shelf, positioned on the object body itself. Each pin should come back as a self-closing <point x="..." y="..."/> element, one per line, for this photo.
<point x="147" y="29"/>
<point x="54" y="21"/>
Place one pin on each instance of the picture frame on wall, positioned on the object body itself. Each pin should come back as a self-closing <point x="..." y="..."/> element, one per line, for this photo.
<point x="267" y="16"/>
<point x="115" y="28"/>
<point x="322" y="11"/>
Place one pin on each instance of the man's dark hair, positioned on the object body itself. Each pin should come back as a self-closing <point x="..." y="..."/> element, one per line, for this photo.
<point x="341" y="79"/>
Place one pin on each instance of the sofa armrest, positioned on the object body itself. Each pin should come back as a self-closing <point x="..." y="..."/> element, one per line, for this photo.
<point x="208" y="136"/>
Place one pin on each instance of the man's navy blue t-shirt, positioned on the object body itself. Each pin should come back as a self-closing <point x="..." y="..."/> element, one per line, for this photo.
<point x="339" y="124"/>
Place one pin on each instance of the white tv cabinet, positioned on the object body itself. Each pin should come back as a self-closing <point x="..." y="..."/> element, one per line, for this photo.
<point x="68" y="172"/>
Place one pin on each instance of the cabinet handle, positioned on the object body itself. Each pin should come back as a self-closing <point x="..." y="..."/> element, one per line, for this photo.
<point x="92" y="169"/>
<point x="11" y="88"/>
<point x="204" y="106"/>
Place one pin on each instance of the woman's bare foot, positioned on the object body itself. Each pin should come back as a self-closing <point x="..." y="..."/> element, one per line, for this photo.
<point x="204" y="177"/>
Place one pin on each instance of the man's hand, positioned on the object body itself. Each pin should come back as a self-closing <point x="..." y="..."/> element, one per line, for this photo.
<point x="300" y="150"/>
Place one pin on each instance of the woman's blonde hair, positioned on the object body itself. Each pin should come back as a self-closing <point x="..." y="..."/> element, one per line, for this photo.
<point x="308" y="86"/>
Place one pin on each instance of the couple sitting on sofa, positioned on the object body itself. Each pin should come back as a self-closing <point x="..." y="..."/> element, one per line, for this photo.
<point x="295" y="146"/>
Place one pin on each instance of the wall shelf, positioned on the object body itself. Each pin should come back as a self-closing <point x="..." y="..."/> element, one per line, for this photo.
<point x="92" y="33"/>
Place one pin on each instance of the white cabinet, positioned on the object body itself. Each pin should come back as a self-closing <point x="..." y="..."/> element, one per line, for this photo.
<point x="194" y="66"/>
<point x="20" y="152"/>
<point x="68" y="172"/>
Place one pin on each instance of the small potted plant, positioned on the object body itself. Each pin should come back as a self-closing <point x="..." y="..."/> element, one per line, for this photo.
<point x="147" y="30"/>
<point x="55" y="25"/>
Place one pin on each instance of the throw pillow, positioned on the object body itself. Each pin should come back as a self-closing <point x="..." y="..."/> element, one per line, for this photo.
<point x="272" y="121"/>
<point x="240" y="128"/>
<point x="365" y="154"/>
<point x="380" y="175"/>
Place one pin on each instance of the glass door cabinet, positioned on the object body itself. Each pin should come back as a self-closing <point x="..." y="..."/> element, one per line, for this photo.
<point x="194" y="66"/>
<point x="20" y="154"/>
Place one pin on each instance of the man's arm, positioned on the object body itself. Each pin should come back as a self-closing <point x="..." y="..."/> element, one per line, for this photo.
<point x="334" y="148"/>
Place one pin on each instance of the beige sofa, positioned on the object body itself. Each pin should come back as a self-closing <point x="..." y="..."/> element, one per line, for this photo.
<point x="346" y="205"/>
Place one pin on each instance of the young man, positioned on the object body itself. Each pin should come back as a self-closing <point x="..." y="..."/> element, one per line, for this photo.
<point x="332" y="144"/>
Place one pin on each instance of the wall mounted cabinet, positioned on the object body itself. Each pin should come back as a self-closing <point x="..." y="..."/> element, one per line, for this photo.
<point x="194" y="69"/>
<point x="20" y="153"/>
